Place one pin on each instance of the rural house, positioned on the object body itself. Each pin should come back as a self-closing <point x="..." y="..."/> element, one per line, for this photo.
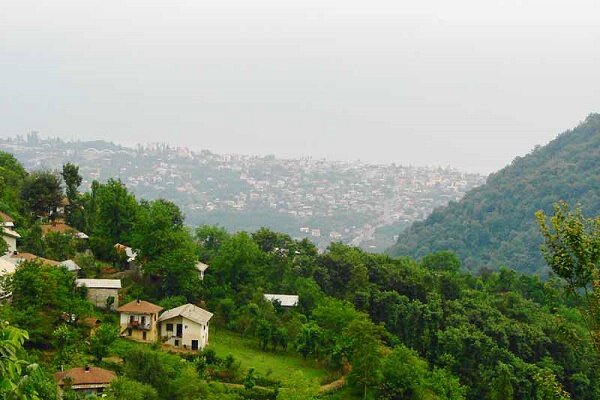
<point x="61" y="227"/>
<point x="100" y="290"/>
<point x="86" y="380"/>
<point x="139" y="320"/>
<point x="185" y="326"/>
<point x="8" y="234"/>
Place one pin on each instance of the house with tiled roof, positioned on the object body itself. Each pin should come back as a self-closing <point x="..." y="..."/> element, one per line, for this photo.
<point x="61" y="227"/>
<point x="185" y="327"/>
<point x="139" y="320"/>
<point x="85" y="380"/>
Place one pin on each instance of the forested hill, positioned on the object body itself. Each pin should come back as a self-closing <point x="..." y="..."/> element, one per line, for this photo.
<point x="494" y="224"/>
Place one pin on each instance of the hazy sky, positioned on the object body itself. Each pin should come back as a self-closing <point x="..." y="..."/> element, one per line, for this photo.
<point x="468" y="83"/>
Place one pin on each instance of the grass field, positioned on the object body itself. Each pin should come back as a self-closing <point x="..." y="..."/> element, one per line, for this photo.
<point x="275" y="365"/>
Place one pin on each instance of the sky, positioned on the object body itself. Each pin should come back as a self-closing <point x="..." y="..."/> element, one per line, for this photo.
<point x="465" y="83"/>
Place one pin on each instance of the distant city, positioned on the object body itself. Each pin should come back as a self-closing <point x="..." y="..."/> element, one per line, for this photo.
<point x="365" y="205"/>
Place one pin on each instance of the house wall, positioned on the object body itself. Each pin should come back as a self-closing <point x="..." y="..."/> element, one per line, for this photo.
<point x="137" y="334"/>
<point x="191" y="331"/>
<point x="98" y="296"/>
<point x="11" y="242"/>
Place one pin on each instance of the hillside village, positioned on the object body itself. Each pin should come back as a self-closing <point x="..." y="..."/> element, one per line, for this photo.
<point x="326" y="201"/>
<point x="105" y="295"/>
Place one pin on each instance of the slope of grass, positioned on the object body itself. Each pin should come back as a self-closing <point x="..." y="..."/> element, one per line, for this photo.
<point x="278" y="365"/>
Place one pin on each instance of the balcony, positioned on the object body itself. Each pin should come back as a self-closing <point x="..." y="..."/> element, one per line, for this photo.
<point x="139" y="325"/>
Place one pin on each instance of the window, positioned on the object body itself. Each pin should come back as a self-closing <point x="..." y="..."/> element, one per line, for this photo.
<point x="169" y="327"/>
<point x="129" y="332"/>
<point x="144" y="335"/>
<point x="176" y="343"/>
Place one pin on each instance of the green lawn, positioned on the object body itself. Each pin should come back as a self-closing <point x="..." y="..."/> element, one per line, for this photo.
<point x="275" y="365"/>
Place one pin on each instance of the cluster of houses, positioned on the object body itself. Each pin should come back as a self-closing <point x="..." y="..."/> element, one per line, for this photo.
<point x="185" y="327"/>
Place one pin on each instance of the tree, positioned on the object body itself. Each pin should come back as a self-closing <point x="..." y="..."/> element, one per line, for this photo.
<point x="403" y="374"/>
<point x="12" y="175"/>
<point x="103" y="337"/>
<point x="111" y="213"/>
<point x="263" y="331"/>
<point x="441" y="261"/>
<point x="73" y="211"/>
<point x="572" y="250"/>
<point x="59" y="246"/>
<point x="365" y="353"/>
<point x="13" y="370"/>
<point x="308" y="341"/>
<point x="124" y="388"/>
<point x="42" y="193"/>
<point x="210" y="238"/>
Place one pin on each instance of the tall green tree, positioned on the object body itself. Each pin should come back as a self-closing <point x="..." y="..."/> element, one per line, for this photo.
<point x="111" y="213"/>
<point x="572" y="249"/>
<point x="74" y="213"/>
<point x="42" y="192"/>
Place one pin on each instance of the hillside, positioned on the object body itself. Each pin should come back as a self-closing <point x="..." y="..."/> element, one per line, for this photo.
<point x="325" y="201"/>
<point x="493" y="225"/>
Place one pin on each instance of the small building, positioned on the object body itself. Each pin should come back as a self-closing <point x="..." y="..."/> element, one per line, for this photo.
<point x="8" y="234"/>
<point x="139" y="320"/>
<point x="285" y="300"/>
<point x="100" y="290"/>
<point x="129" y="254"/>
<point x="70" y="265"/>
<point x="201" y="267"/>
<point x="185" y="327"/>
<point x="61" y="227"/>
<point x="86" y="380"/>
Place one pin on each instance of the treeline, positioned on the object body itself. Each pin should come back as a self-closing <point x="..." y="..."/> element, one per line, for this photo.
<point x="494" y="225"/>
<point x="398" y="328"/>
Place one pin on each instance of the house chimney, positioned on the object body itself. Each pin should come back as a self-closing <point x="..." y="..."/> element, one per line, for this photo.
<point x="138" y="301"/>
<point x="87" y="368"/>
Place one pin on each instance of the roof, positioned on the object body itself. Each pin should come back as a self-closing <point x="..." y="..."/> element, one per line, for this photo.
<point x="200" y="266"/>
<point x="19" y="257"/>
<point x="7" y="267"/>
<point x="189" y="311"/>
<point x="79" y="376"/>
<point x="5" y="217"/>
<point x="60" y="227"/>
<point x="10" y="232"/>
<point x="140" y="306"/>
<point x="99" y="283"/>
<point x="70" y="265"/>
<point x="286" y="300"/>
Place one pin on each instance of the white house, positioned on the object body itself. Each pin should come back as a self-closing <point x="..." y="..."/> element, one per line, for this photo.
<point x="185" y="327"/>
<point x="99" y="290"/>
<point x="8" y="234"/>
<point x="286" y="300"/>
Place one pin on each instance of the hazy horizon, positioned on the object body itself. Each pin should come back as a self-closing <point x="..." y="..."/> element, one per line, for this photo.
<point x="461" y="84"/>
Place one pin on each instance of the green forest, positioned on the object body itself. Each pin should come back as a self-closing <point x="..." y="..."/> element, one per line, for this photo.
<point x="366" y="326"/>
<point x="493" y="226"/>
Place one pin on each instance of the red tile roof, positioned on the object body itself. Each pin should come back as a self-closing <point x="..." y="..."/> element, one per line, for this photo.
<point x="79" y="376"/>
<point x="140" y="306"/>
<point x="5" y="217"/>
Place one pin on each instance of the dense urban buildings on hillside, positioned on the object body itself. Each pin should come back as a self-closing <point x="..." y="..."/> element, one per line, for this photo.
<point x="353" y="202"/>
